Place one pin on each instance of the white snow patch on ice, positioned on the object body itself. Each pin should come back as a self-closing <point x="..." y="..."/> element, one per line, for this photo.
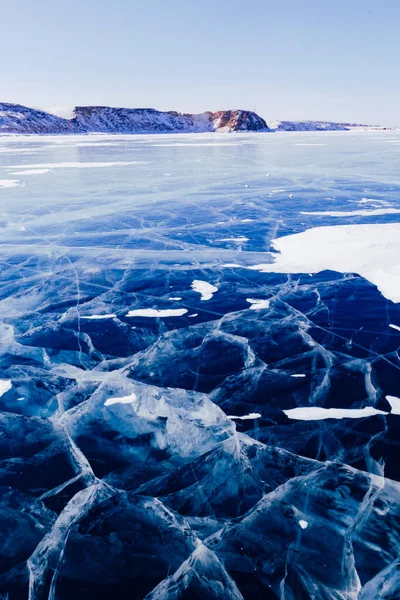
<point x="81" y="165"/>
<point x="372" y="251"/>
<point x="123" y="400"/>
<point x="200" y="145"/>
<point x="10" y="150"/>
<point x="257" y="304"/>
<point x="298" y="375"/>
<point x="98" y="317"/>
<point x="31" y="172"/>
<point x="152" y="312"/>
<point x="316" y="413"/>
<point x="9" y="183"/>
<point x="238" y="240"/>
<point x="231" y="266"/>
<point x="372" y="201"/>
<point x="90" y="144"/>
<point x="207" y="290"/>
<point x="353" y="213"/>
<point x="175" y="298"/>
<point x="5" y="385"/>
<point x="395" y="404"/>
<point x="245" y="417"/>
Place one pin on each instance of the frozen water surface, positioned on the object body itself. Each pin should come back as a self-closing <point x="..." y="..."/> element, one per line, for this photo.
<point x="200" y="373"/>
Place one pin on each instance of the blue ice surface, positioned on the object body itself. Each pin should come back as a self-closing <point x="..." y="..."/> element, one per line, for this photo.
<point x="121" y="471"/>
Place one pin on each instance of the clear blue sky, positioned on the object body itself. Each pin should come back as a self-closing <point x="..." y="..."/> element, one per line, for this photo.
<point x="287" y="59"/>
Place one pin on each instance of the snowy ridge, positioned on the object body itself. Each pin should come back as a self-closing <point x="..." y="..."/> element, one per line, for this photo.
<point x="317" y="126"/>
<point x="105" y="119"/>
<point x="148" y="120"/>
<point x="15" y="118"/>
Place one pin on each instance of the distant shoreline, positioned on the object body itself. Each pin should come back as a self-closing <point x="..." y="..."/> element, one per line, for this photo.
<point x="360" y="130"/>
<point x="17" y="119"/>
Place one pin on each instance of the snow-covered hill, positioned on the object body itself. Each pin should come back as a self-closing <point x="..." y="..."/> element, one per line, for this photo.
<point x="89" y="119"/>
<point x="15" y="118"/>
<point x="313" y="126"/>
<point x="148" y="120"/>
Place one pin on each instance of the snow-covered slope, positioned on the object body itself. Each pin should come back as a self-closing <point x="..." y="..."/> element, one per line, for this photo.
<point x="15" y="118"/>
<point x="133" y="120"/>
<point x="106" y="119"/>
<point x="312" y="126"/>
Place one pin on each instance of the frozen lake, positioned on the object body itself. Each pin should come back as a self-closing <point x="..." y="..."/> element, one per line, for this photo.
<point x="195" y="329"/>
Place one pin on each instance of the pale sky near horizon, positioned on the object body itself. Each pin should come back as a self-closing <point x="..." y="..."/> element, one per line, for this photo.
<point x="286" y="59"/>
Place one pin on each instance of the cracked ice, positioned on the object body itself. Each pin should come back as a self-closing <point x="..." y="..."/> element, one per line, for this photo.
<point x="200" y="372"/>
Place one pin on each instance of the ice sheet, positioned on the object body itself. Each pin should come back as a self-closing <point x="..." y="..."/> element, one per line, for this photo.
<point x="144" y="447"/>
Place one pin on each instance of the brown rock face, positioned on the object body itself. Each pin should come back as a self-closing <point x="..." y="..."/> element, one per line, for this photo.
<point x="238" y="120"/>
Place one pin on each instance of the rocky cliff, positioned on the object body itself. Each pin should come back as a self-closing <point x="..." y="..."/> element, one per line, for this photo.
<point x="148" y="120"/>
